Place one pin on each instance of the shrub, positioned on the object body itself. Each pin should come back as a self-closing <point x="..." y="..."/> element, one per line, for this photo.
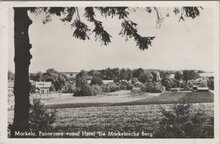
<point x="125" y="85"/>
<point x="40" y="118"/>
<point x="68" y="88"/>
<point x="96" y="81"/>
<point x="134" y="80"/>
<point x="167" y="83"/>
<point x="184" y="122"/>
<point x="97" y="89"/>
<point x="153" y="87"/>
<point x="85" y="90"/>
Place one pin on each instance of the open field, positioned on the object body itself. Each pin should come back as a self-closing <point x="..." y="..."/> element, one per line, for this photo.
<point x="120" y="111"/>
<point x="127" y="98"/>
<point x="120" y="98"/>
<point x="116" y="118"/>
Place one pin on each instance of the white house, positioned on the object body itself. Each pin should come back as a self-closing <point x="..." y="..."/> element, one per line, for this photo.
<point x="108" y="81"/>
<point x="10" y="87"/>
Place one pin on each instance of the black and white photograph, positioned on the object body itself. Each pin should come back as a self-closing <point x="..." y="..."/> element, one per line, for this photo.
<point x="113" y="71"/>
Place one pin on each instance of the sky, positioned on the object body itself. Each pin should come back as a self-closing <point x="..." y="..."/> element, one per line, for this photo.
<point x="178" y="45"/>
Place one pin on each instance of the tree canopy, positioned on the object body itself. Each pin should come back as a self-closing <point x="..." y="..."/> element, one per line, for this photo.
<point x="128" y="27"/>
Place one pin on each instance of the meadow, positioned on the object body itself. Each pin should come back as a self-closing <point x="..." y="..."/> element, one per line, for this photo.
<point x="118" y="112"/>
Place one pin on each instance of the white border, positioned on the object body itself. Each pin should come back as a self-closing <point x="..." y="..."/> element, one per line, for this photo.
<point x="4" y="29"/>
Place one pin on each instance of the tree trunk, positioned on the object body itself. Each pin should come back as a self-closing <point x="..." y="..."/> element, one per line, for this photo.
<point x="22" y="62"/>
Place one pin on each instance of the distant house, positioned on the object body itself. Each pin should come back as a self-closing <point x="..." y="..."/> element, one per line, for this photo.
<point x="108" y="81"/>
<point x="198" y="85"/>
<point x="202" y="89"/>
<point x="43" y="87"/>
<point x="10" y="87"/>
<point x="70" y="74"/>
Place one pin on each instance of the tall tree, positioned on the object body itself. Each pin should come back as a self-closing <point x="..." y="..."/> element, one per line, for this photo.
<point x="189" y="75"/>
<point x="178" y="75"/>
<point x="22" y="44"/>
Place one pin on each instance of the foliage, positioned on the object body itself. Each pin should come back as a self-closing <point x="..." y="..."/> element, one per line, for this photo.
<point x="125" y="85"/>
<point x="142" y="75"/>
<point x="152" y="87"/>
<point x="178" y="75"/>
<point x="97" y="89"/>
<point x="210" y="83"/>
<point x="145" y="77"/>
<point x="96" y="81"/>
<point x="36" y="77"/>
<point x="128" y="27"/>
<point x="85" y="90"/>
<point x="82" y="87"/>
<point x="164" y="75"/>
<point x="189" y="75"/>
<point x="134" y="80"/>
<point x="167" y="83"/>
<point x="40" y="118"/>
<point x="51" y="75"/>
<point x="156" y="76"/>
<point x="68" y="88"/>
<point x="185" y="122"/>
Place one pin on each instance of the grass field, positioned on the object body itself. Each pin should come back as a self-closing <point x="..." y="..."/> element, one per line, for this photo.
<point x="121" y="111"/>
<point x="117" y="118"/>
<point x="126" y="98"/>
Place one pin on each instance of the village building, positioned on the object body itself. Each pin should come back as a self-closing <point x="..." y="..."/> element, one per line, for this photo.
<point x="198" y="84"/>
<point x="108" y="81"/>
<point x="71" y="75"/>
<point x="43" y="87"/>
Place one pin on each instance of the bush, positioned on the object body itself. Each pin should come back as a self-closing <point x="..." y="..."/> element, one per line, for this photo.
<point x="167" y="83"/>
<point x="97" y="89"/>
<point x="153" y="87"/>
<point x="68" y="88"/>
<point x="96" y="81"/>
<point x="183" y="122"/>
<point x="85" y="90"/>
<point x="125" y="85"/>
<point x="110" y="88"/>
<point x="40" y="118"/>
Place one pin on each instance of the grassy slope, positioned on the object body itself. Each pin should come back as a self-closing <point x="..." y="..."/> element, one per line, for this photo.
<point x="179" y="97"/>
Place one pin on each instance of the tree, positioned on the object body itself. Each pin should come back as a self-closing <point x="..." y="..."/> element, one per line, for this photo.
<point x="94" y="73"/>
<point x="164" y="75"/>
<point x="178" y="75"/>
<point x="59" y="82"/>
<point x="189" y="75"/>
<point x="123" y="75"/>
<point x="36" y="77"/>
<point x="167" y="83"/>
<point x="116" y="72"/>
<point x="23" y="46"/>
<point x="156" y="76"/>
<point x="145" y="77"/>
<point x="96" y="81"/>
